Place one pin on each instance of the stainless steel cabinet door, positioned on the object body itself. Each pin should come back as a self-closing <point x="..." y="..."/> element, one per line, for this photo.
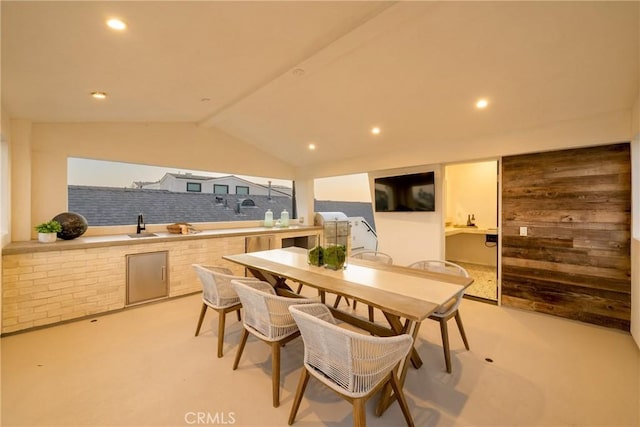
<point x="147" y="277"/>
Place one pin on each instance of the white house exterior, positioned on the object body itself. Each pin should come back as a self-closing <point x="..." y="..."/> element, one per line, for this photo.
<point x="230" y="184"/>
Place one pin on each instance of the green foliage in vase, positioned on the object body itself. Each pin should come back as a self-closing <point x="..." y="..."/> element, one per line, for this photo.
<point x="49" y="227"/>
<point x="335" y="256"/>
<point x="316" y="256"/>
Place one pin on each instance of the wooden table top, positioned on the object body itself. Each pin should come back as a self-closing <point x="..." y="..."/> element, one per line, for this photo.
<point x="402" y="291"/>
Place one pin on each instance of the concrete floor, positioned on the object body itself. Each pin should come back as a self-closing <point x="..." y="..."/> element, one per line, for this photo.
<point x="144" y="367"/>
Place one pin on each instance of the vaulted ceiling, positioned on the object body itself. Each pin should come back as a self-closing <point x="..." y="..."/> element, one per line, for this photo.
<point x="281" y="75"/>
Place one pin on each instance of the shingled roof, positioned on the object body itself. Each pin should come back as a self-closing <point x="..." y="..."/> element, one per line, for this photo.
<point x="121" y="206"/>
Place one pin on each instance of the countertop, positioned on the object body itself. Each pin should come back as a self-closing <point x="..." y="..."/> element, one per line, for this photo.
<point x="123" y="239"/>
<point x="452" y="231"/>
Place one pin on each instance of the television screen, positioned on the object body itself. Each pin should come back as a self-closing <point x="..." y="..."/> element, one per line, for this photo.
<point x="404" y="193"/>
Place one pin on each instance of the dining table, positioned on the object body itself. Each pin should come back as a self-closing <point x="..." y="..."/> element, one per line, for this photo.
<point x="406" y="296"/>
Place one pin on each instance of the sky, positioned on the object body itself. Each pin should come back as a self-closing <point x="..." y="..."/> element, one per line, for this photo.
<point x="350" y="188"/>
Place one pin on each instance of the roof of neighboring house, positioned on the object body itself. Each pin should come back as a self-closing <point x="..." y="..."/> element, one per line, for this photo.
<point x="283" y="189"/>
<point x="121" y="206"/>
<point x="350" y="209"/>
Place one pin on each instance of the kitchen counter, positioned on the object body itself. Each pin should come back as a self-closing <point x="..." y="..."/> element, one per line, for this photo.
<point x="123" y="239"/>
<point x="452" y="231"/>
<point x="48" y="283"/>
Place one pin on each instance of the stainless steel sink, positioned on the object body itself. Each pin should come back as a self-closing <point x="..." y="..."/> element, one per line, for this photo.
<point x="136" y="236"/>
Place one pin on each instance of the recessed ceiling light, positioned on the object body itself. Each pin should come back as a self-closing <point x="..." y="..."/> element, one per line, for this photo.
<point x="375" y="130"/>
<point x="116" y="24"/>
<point x="482" y="103"/>
<point x="312" y="146"/>
<point x="99" y="95"/>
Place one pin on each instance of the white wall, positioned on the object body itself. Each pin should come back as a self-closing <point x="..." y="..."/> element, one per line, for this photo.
<point x="45" y="147"/>
<point x="411" y="236"/>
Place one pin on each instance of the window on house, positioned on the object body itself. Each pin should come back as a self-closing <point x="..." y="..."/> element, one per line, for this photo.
<point x="240" y="189"/>
<point x="194" y="187"/>
<point x="220" y="189"/>
<point x="248" y="203"/>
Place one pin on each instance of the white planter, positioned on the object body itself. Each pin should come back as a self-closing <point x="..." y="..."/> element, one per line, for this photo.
<point x="47" y="237"/>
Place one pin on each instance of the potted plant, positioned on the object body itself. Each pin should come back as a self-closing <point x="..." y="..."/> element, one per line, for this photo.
<point x="48" y="231"/>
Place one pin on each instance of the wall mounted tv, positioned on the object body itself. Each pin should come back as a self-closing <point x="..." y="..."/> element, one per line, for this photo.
<point x="405" y="193"/>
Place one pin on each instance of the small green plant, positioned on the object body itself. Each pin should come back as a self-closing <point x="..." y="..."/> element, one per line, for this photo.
<point x="49" y="227"/>
<point x="316" y="256"/>
<point x="335" y="256"/>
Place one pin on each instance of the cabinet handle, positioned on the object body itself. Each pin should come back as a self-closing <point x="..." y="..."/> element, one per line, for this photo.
<point x="164" y="269"/>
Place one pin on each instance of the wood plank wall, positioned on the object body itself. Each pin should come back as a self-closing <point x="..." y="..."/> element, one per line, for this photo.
<point x="575" y="261"/>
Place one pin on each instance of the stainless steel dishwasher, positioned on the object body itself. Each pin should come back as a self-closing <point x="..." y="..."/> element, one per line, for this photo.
<point x="147" y="277"/>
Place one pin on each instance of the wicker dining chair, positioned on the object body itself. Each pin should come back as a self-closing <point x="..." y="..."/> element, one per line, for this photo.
<point x="448" y="309"/>
<point x="368" y="256"/>
<point x="218" y="294"/>
<point x="353" y="365"/>
<point x="266" y="316"/>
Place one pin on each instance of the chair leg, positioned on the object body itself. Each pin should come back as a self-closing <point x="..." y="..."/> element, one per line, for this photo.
<point x="299" y="288"/>
<point x="222" y="316"/>
<point x="445" y="343"/>
<point x="461" y="329"/>
<point x="302" y="385"/>
<point x="370" y="313"/>
<point x="275" y="373"/>
<point x="239" y="315"/>
<point x="203" y="310"/>
<point x="397" y="389"/>
<point x="359" y="413"/>
<point x="243" y="341"/>
<point x="338" y="298"/>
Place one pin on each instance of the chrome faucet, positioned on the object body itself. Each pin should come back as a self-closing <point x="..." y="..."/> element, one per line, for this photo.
<point x="141" y="225"/>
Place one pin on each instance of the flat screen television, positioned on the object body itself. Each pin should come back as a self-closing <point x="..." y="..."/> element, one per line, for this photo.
<point x="406" y="193"/>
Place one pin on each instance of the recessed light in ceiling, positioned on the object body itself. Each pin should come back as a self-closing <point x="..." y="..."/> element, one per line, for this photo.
<point x="375" y="130"/>
<point x="99" y="95"/>
<point x="116" y="24"/>
<point x="312" y="146"/>
<point x="482" y="103"/>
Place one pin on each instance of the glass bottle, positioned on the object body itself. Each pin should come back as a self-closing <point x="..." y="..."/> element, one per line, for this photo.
<point x="284" y="218"/>
<point x="268" y="218"/>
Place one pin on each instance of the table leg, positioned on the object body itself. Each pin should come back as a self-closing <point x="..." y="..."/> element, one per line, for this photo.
<point x="386" y="397"/>
<point x="399" y="328"/>
<point x="275" y="281"/>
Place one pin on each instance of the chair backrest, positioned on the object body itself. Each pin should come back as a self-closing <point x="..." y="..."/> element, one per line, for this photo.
<point x="373" y="256"/>
<point x="266" y="313"/>
<point x="350" y="362"/>
<point x="216" y="285"/>
<point x="447" y="267"/>
<point x="440" y="266"/>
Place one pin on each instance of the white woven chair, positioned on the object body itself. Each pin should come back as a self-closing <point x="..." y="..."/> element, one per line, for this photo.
<point x="218" y="294"/>
<point x="267" y="317"/>
<point x="448" y="309"/>
<point x="352" y="364"/>
<point x="368" y="256"/>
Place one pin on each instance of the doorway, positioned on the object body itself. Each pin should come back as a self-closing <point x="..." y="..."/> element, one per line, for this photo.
<point x="471" y="224"/>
